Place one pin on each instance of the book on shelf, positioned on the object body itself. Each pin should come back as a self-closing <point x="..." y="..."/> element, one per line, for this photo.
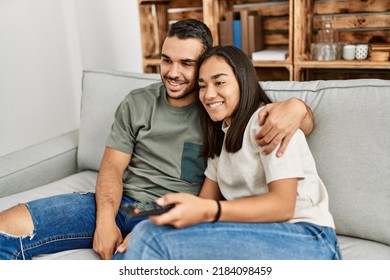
<point x="245" y="31"/>
<point x="229" y="30"/>
<point x="255" y="36"/>
<point x="270" y="55"/>
<point x="225" y="30"/>
<point x="242" y="29"/>
<point x="237" y="34"/>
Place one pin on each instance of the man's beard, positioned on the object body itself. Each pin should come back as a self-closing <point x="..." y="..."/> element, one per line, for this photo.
<point x="184" y="94"/>
<point x="187" y="91"/>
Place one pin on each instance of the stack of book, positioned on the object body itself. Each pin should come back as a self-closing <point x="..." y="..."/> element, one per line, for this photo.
<point x="379" y="52"/>
<point x="270" y="55"/>
<point x="242" y="29"/>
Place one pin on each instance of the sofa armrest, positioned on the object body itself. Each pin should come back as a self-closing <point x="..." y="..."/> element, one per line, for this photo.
<point x="39" y="164"/>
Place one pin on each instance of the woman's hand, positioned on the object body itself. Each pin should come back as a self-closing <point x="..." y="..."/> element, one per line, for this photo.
<point x="189" y="210"/>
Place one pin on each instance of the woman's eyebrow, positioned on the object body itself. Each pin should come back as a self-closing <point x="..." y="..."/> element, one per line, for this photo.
<point x="214" y="77"/>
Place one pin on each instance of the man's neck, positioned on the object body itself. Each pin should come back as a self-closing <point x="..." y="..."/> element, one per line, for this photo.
<point x="182" y="102"/>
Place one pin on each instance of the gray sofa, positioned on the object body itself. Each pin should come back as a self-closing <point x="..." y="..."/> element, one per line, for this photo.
<point x="350" y="144"/>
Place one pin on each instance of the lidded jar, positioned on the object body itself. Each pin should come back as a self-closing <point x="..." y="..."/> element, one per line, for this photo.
<point x="327" y="34"/>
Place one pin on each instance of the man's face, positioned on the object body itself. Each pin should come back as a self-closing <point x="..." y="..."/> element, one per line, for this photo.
<point x="179" y="69"/>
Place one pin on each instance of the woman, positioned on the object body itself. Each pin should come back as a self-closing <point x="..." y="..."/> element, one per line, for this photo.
<point x="251" y="206"/>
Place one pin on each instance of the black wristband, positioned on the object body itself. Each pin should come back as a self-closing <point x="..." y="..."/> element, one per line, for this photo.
<point x="218" y="214"/>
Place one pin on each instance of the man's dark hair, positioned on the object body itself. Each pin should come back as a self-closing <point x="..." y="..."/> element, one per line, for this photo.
<point x="194" y="29"/>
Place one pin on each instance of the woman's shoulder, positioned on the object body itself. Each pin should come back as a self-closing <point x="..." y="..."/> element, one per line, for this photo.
<point x="254" y="120"/>
<point x="253" y="127"/>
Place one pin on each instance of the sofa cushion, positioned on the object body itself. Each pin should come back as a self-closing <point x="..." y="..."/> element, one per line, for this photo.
<point x="360" y="249"/>
<point x="102" y="93"/>
<point x="79" y="254"/>
<point x="80" y="182"/>
<point x="351" y="148"/>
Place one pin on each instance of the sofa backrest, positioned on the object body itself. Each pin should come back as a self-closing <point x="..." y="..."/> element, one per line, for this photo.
<point x="349" y="143"/>
<point x="102" y="92"/>
<point x="351" y="149"/>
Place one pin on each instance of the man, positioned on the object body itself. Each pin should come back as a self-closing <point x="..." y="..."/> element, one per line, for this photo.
<point x="152" y="150"/>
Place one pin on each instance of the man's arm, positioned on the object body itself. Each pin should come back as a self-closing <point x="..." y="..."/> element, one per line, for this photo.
<point x="109" y="191"/>
<point x="280" y="121"/>
<point x="307" y="125"/>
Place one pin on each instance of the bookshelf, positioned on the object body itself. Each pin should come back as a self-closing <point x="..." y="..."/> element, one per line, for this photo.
<point x="287" y="24"/>
<point x="278" y="33"/>
<point x="156" y="15"/>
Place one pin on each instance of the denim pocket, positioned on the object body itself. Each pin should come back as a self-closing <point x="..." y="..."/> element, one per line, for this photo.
<point x="192" y="164"/>
<point x="315" y="230"/>
<point x="327" y="236"/>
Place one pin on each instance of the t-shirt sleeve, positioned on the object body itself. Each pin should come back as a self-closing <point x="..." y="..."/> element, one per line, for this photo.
<point x="289" y="165"/>
<point x="122" y="135"/>
<point x="211" y="170"/>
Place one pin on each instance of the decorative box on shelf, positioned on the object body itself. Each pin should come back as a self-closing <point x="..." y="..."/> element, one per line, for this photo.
<point x="379" y="52"/>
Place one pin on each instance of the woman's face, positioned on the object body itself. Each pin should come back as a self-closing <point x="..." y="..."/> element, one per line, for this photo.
<point x="219" y="91"/>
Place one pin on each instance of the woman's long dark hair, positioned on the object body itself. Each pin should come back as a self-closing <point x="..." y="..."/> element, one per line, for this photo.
<point x="252" y="96"/>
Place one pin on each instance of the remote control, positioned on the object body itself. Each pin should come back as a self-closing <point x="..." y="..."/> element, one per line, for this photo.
<point x="139" y="209"/>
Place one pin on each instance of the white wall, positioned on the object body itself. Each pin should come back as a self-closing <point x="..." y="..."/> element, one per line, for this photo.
<point x="44" y="45"/>
<point x="110" y="34"/>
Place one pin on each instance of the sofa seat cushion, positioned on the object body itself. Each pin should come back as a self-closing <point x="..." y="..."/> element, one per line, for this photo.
<point x="81" y="254"/>
<point x="79" y="182"/>
<point x="361" y="249"/>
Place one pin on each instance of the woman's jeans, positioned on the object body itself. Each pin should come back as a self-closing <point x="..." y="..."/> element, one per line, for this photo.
<point x="240" y="241"/>
<point x="62" y="222"/>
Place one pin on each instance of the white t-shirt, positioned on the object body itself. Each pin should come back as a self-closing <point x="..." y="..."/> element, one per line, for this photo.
<point x="247" y="173"/>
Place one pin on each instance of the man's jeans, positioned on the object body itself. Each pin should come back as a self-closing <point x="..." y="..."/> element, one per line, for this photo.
<point x="62" y="222"/>
<point x="240" y="241"/>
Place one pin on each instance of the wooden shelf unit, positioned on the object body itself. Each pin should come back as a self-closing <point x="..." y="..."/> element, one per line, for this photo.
<point x="357" y="22"/>
<point x="288" y="24"/>
<point x="156" y="15"/>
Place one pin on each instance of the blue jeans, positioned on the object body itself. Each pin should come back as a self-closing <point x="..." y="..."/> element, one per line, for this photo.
<point x="62" y="222"/>
<point x="240" y="241"/>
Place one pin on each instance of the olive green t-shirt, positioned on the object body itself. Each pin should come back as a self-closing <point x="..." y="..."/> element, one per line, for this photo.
<point x="163" y="141"/>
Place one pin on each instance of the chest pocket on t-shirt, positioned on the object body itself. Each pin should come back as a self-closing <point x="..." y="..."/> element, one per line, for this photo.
<point x="192" y="164"/>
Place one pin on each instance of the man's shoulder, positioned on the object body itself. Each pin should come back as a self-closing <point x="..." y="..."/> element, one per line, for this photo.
<point x="141" y="99"/>
<point x="145" y="94"/>
<point x="152" y="89"/>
